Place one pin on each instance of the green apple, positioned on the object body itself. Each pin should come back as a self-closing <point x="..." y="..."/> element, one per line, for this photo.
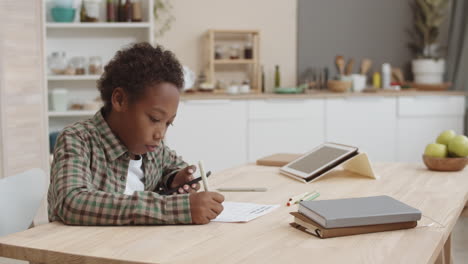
<point x="458" y="146"/>
<point x="445" y="137"/>
<point x="436" y="150"/>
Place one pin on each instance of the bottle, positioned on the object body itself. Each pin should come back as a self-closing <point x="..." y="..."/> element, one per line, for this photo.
<point x="386" y="75"/>
<point x="325" y="77"/>
<point x="248" y="51"/>
<point x="263" y="80"/>
<point x="83" y="14"/>
<point x="376" y="80"/>
<point x="120" y="11"/>
<point x="277" y="76"/>
<point x="110" y="11"/>
<point x="128" y="11"/>
<point x="136" y="11"/>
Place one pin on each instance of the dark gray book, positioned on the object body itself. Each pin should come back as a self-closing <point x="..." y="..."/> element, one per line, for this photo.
<point x="374" y="210"/>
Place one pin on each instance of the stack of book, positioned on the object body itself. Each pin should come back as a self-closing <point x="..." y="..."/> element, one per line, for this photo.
<point x="345" y="217"/>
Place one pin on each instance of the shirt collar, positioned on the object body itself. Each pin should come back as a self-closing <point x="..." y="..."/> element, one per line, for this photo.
<point x="113" y="147"/>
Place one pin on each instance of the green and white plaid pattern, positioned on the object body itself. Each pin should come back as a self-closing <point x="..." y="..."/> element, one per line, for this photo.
<point x="88" y="178"/>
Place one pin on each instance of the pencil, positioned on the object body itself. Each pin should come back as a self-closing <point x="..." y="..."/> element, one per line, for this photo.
<point x="309" y="197"/>
<point x="203" y="176"/>
<point x="296" y="198"/>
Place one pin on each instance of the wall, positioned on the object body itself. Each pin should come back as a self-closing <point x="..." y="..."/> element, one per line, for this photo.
<point x="23" y="119"/>
<point x="276" y="19"/>
<point x="376" y="29"/>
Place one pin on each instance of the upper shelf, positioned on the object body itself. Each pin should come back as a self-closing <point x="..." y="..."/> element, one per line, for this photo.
<point x="235" y="61"/>
<point x="73" y="77"/>
<point x="100" y="25"/>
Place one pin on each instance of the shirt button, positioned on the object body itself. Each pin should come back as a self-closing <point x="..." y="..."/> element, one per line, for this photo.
<point x="122" y="178"/>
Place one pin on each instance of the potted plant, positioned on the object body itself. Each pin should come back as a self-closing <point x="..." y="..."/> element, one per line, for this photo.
<point x="428" y="67"/>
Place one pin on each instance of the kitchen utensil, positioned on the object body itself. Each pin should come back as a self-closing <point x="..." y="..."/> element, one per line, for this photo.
<point x="359" y="82"/>
<point x="397" y="75"/>
<point x="365" y="66"/>
<point x="340" y="64"/>
<point x="63" y="14"/>
<point x="339" y="86"/>
<point x="59" y="100"/>
<point x="431" y="87"/>
<point x="349" y="67"/>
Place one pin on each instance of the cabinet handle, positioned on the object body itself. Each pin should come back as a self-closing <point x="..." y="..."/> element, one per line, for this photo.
<point x="207" y="102"/>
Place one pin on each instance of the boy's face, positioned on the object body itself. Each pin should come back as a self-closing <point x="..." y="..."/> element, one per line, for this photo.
<point x="145" y="121"/>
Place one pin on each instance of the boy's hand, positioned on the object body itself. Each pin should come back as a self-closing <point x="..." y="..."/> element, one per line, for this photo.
<point x="205" y="206"/>
<point x="183" y="176"/>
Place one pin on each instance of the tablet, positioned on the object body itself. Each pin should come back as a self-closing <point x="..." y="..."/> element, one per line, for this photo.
<point x="321" y="159"/>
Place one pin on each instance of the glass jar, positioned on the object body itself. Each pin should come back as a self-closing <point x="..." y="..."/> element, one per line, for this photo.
<point x="219" y="52"/>
<point x="248" y="51"/>
<point x="91" y="11"/>
<point x="57" y="63"/>
<point x="79" y="64"/>
<point x="95" y="65"/>
<point x="234" y="52"/>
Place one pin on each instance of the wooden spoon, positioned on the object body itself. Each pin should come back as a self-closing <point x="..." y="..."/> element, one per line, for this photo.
<point x="349" y="66"/>
<point x="365" y="66"/>
<point x="340" y="63"/>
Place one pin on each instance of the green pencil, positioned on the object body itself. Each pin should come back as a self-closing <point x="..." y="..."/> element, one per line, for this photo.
<point x="309" y="197"/>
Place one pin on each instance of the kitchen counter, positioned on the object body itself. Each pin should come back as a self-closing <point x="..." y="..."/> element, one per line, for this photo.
<point x="316" y="94"/>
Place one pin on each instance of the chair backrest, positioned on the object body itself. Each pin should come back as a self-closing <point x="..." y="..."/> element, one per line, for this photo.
<point x="20" y="198"/>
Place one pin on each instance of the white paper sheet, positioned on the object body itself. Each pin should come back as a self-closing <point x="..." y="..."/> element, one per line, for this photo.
<point x="243" y="212"/>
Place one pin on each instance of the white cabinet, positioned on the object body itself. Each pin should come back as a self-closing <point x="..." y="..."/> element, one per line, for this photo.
<point x="214" y="131"/>
<point x="422" y="118"/>
<point x="368" y="123"/>
<point x="226" y="133"/>
<point x="291" y="126"/>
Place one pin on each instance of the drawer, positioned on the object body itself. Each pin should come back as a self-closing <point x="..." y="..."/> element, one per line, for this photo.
<point x="285" y="108"/>
<point x="431" y="106"/>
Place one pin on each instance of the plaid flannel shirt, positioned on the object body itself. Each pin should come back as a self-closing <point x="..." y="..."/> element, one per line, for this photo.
<point x="89" y="174"/>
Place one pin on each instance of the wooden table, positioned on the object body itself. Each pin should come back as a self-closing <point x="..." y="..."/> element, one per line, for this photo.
<point x="268" y="239"/>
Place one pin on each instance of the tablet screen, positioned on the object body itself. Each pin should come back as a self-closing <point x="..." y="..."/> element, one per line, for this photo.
<point x="317" y="159"/>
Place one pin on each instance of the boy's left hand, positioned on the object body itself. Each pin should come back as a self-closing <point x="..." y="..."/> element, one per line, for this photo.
<point x="183" y="176"/>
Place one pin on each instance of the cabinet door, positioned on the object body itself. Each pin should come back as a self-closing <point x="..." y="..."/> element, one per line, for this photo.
<point x="210" y="130"/>
<point x="422" y="118"/>
<point x="291" y="126"/>
<point x="368" y="123"/>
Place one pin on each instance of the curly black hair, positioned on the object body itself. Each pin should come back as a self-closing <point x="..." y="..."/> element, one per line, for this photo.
<point x="136" y="67"/>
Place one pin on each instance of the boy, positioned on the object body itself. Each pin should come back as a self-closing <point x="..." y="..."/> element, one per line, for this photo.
<point x="107" y="170"/>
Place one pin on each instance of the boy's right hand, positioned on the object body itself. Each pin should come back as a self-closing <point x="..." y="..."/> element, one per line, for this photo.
<point x="205" y="206"/>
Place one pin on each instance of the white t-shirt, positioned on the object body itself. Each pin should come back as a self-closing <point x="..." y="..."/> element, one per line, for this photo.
<point x="134" y="177"/>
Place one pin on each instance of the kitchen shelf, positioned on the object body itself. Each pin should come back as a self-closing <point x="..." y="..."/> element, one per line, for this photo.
<point x="234" y="61"/>
<point x="72" y="113"/>
<point x="216" y="36"/>
<point x="73" y="77"/>
<point x="99" y="25"/>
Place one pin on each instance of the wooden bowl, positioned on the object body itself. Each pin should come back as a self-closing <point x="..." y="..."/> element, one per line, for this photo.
<point x="339" y="86"/>
<point x="445" y="164"/>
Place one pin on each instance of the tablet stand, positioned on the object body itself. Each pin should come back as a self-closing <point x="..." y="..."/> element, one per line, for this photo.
<point x="359" y="164"/>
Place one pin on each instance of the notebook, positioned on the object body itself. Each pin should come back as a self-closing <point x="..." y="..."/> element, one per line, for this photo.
<point x="303" y="223"/>
<point x="361" y="211"/>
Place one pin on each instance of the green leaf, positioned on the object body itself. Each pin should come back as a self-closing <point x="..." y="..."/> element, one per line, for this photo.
<point x="437" y="22"/>
<point x="424" y="7"/>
